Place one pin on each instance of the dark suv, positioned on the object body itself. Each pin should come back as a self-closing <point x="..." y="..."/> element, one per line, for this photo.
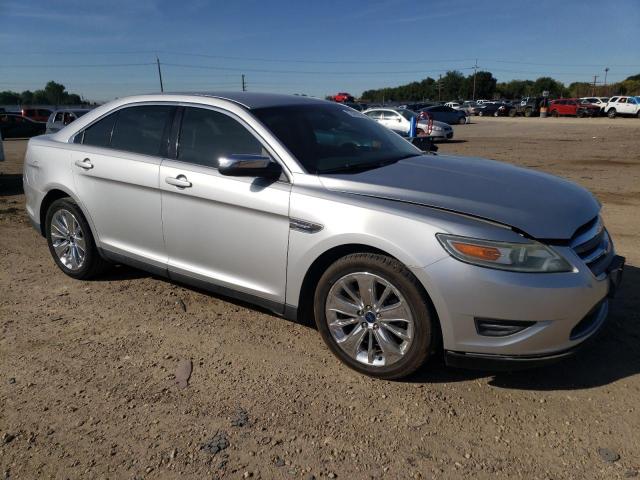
<point x="528" y="106"/>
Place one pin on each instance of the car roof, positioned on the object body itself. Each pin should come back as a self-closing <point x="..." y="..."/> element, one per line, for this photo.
<point x="72" y="110"/>
<point x="253" y="100"/>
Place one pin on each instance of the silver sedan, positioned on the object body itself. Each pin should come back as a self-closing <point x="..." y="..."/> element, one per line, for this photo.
<point x="314" y="211"/>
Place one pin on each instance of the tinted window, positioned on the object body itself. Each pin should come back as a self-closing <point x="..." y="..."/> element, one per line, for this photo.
<point x="58" y="117"/>
<point x="99" y="134"/>
<point x="376" y="114"/>
<point x="207" y="135"/>
<point x="140" y="129"/>
<point x="622" y="100"/>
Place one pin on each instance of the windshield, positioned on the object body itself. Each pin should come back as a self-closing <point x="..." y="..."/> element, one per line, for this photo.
<point x="326" y="138"/>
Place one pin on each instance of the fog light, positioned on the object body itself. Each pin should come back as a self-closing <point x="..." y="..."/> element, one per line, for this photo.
<point x="490" y="327"/>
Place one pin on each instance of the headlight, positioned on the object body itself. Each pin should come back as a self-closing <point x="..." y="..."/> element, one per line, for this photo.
<point x="531" y="257"/>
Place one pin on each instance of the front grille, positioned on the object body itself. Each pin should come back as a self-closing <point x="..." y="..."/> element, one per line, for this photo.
<point x="592" y="244"/>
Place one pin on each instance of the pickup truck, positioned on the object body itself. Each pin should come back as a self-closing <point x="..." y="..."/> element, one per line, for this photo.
<point x="528" y="106"/>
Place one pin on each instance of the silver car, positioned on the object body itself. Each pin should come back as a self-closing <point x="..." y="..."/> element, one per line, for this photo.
<point x="314" y="211"/>
<point x="399" y="120"/>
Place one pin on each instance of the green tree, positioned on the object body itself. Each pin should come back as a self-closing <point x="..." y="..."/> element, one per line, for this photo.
<point x="26" y="97"/>
<point x="9" y="98"/>
<point x="554" y="87"/>
<point x="55" y="93"/>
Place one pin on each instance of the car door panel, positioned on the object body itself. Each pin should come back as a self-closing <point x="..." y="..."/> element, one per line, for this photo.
<point x="120" y="191"/>
<point x="226" y="231"/>
<point x="231" y="231"/>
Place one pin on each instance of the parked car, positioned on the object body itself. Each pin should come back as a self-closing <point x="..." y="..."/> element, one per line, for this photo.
<point x="454" y="105"/>
<point x="399" y="120"/>
<point x="343" y="97"/>
<point x="622" y="105"/>
<point x="314" y="211"/>
<point x="528" y="107"/>
<point x="494" y="109"/>
<point x="36" y="114"/>
<point x="601" y="102"/>
<point x="13" y="125"/>
<point x="572" y="106"/>
<point x="61" y="118"/>
<point x="446" y="114"/>
<point x="472" y="108"/>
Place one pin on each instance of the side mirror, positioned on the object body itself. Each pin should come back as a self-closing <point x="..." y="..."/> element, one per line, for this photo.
<point x="249" y="166"/>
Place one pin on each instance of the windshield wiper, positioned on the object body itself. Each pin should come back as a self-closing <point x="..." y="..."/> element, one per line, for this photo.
<point x="363" y="167"/>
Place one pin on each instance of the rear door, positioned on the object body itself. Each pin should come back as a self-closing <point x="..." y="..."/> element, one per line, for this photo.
<point x="228" y="232"/>
<point x="116" y="170"/>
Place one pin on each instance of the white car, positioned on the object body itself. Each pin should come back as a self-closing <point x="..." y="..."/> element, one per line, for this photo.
<point x="454" y="105"/>
<point x="598" y="101"/>
<point x="399" y="120"/>
<point x="622" y="106"/>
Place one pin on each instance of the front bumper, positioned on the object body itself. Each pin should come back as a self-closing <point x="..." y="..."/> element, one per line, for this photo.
<point x="565" y="309"/>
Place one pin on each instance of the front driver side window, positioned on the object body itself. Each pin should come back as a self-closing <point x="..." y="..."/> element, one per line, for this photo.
<point x="206" y="135"/>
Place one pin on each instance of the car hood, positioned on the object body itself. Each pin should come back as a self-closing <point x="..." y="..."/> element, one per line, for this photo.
<point x="541" y="205"/>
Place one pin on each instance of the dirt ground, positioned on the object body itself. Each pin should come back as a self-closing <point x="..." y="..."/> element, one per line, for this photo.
<point x="87" y="369"/>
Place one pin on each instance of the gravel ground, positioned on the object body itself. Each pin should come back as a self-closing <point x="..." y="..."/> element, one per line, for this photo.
<point x="93" y="374"/>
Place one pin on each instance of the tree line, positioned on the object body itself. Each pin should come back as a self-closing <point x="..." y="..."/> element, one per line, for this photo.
<point x="52" y="94"/>
<point x="455" y="86"/>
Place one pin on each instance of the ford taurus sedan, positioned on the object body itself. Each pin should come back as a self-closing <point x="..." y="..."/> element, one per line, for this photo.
<point x="312" y="210"/>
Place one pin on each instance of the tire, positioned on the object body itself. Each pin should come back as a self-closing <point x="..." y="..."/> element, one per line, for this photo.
<point x="401" y="355"/>
<point x="481" y="113"/>
<point x="555" y="114"/>
<point x="496" y="114"/>
<point x="612" y="113"/>
<point x="528" y="112"/>
<point x="64" y="218"/>
<point x="462" y="120"/>
<point x="579" y="114"/>
<point x="512" y="112"/>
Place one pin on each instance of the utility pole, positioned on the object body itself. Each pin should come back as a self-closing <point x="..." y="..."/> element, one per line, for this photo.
<point x="159" y="74"/>
<point x="244" y="85"/>
<point x="440" y="87"/>
<point x="606" y="70"/>
<point x="593" y="90"/>
<point x="475" y="70"/>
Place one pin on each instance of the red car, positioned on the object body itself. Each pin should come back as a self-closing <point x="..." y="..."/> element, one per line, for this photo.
<point x="343" y="97"/>
<point x="36" y="114"/>
<point x="572" y="106"/>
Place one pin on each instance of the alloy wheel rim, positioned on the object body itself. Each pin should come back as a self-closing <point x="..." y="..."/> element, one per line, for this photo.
<point x="67" y="239"/>
<point x="369" y="319"/>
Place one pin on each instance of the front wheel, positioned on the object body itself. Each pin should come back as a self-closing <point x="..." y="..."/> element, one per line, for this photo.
<point x="528" y="112"/>
<point x="70" y="241"/>
<point x="462" y="120"/>
<point x="512" y="112"/>
<point x="373" y="315"/>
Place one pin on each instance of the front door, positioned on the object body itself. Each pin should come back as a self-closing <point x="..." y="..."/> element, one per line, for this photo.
<point x="230" y="233"/>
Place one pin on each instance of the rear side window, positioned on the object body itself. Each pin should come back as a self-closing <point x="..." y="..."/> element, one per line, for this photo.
<point x="207" y="135"/>
<point x="141" y="129"/>
<point x="99" y="134"/>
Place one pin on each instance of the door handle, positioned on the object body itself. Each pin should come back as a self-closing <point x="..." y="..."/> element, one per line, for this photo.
<point x="180" y="181"/>
<point x="86" y="164"/>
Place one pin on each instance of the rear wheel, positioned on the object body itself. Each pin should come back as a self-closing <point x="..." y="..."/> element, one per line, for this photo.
<point x="373" y="315"/>
<point x="528" y="112"/>
<point x="555" y="114"/>
<point x="512" y="112"/>
<point x="612" y="113"/>
<point x="70" y="241"/>
<point x="496" y="113"/>
<point x="481" y="113"/>
<point x="462" y="120"/>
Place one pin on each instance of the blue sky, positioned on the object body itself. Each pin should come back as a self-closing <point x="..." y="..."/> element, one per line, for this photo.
<point x="107" y="49"/>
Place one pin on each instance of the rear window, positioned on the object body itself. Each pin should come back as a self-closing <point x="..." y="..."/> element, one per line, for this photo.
<point x="99" y="134"/>
<point x="140" y="129"/>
